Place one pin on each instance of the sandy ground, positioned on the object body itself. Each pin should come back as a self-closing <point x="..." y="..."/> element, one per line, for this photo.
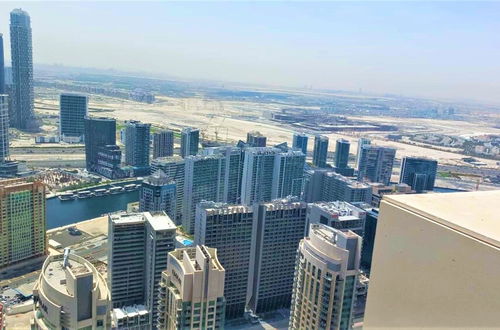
<point x="94" y="227"/>
<point x="19" y="321"/>
<point x="229" y="121"/>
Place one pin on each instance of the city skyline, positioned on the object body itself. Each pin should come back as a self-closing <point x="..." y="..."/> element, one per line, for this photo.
<point x="419" y="47"/>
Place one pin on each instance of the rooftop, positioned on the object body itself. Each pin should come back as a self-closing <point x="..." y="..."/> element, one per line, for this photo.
<point x="159" y="221"/>
<point x="130" y="311"/>
<point x="340" y="208"/>
<point x="126" y="218"/>
<point x="474" y="214"/>
<point x="55" y="272"/>
<point x="350" y="182"/>
<point x="224" y="208"/>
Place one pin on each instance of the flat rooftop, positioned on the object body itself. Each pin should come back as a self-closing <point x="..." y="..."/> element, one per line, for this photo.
<point x="160" y="221"/>
<point x="476" y="214"/>
<point x="56" y="275"/>
<point x="126" y="218"/>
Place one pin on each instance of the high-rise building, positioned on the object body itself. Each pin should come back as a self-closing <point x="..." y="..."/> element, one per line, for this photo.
<point x="190" y="138"/>
<point x="375" y="164"/>
<point x="342" y="153"/>
<point x="2" y="68"/>
<point x="22" y="70"/>
<point x="99" y="132"/>
<point x="258" y="172"/>
<point x="109" y="158"/>
<point x="279" y="227"/>
<point x="270" y="173"/>
<point x="137" y="145"/>
<point x="338" y="215"/>
<point x="204" y="180"/>
<point x="73" y="110"/>
<point x="173" y="167"/>
<point x="361" y="142"/>
<point x="368" y="235"/>
<point x="256" y="139"/>
<point x="436" y="262"/>
<point x="2" y="315"/>
<point x="70" y="294"/>
<point x="163" y="144"/>
<point x="158" y="193"/>
<point x="233" y="175"/>
<point x="138" y="245"/>
<point x="22" y="220"/>
<point x="324" y="287"/>
<point x="300" y="142"/>
<point x="320" y="151"/>
<point x="192" y="290"/>
<point x="419" y="173"/>
<point x="288" y="176"/>
<point x="228" y="228"/>
<point x="326" y="186"/>
<point x="4" y="128"/>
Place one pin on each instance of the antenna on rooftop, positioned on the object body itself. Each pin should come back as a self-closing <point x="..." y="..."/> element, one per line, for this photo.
<point x="66" y="256"/>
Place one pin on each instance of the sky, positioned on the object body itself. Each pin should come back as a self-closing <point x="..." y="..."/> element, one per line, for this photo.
<point x="444" y="50"/>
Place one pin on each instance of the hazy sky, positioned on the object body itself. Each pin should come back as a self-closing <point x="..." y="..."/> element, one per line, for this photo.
<point x="439" y="49"/>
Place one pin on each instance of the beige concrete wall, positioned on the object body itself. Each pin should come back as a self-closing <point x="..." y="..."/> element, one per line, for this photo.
<point x="426" y="275"/>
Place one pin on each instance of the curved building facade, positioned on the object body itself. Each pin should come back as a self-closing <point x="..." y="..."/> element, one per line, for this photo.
<point x="70" y="294"/>
<point x="325" y="279"/>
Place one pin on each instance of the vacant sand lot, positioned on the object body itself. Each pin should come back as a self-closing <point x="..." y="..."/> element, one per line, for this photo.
<point x="231" y="120"/>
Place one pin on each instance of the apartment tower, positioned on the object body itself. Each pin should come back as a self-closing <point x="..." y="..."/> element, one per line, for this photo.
<point x="192" y="290"/>
<point x="163" y="144"/>
<point x="324" y="286"/>
<point x="228" y="228"/>
<point x="22" y="220"/>
<point x="158" y="193"/>
<point x="279" y="227"/>
<point x="138" y="246"/>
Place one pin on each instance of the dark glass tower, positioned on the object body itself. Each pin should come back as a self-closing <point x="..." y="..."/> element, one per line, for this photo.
<point x="190" y="138"/>
<point x="2" y="68"/>
<point x="342" y="153"/>
<point x="72" y="116"/>
<point x="300" y="142"/>
<point x="99" y="132"/>
<point x="22" y="71"/>
<point x="419" y="173"/>
<point x="137" y="144"/>
<point x="320" y="150"/>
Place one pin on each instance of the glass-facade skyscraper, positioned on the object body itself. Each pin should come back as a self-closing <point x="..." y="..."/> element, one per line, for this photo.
<point x="419" y="173"/>
<point x="137" y="144"/>
<point x="99" y="132"/>
<point x="300" y="142"/>
<point x="342" y="153"/>
<point x="73" y="110"/>
<point x="190" y="138"/>
<point x="375" y="164"/>
<point x="22" y="70"/>
<point x="320" y="151"/>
